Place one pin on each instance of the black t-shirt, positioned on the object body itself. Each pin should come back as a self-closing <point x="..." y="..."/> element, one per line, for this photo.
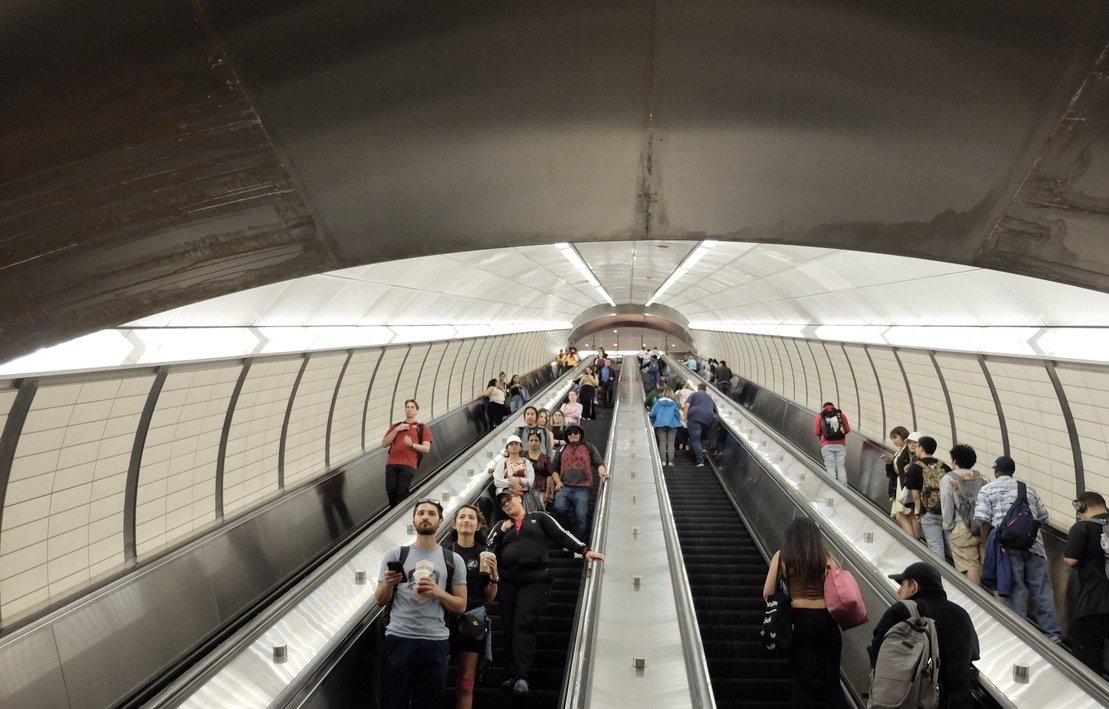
<point x="914" y="478"/>
<point x="475" y="583"/>
<point x="1088" y="587"/>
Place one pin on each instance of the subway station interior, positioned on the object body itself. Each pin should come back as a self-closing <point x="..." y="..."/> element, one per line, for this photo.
<point x="236" y="236"/>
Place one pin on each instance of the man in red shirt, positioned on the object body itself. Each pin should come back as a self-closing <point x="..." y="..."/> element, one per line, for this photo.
<point x="406" y="441"/>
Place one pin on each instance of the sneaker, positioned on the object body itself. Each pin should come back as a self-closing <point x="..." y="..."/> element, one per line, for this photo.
<point x="521" y="687"/>
<point x="699" y="465"/>
<point x="508" y="684"/>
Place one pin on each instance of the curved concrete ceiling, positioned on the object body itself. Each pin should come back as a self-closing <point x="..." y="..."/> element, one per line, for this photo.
<point x="155" y="155"/>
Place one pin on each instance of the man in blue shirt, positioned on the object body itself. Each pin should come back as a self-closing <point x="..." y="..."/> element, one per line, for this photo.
<point x="700" y="410"/>
<point x="1029" y="565"/>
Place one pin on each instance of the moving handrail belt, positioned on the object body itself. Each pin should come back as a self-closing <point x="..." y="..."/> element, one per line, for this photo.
<point x="1055" y="679"/>
<point x="312" y="620"/>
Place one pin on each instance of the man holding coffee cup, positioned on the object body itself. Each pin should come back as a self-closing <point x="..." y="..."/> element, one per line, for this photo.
<point x="422" y="582"/>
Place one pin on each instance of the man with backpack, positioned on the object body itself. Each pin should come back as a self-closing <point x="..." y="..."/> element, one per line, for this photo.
<point x="572" y="475"/>
<point x="928" y="505"/>
<point x="915" y="635"/>
<point x="1016" y="511"/>
<point x="420" y="584"/>
<point x="407" y="441"/>
<point x="958" y="496"/>
<point x="1088" y="587"/>
<point x="832" y="428"/>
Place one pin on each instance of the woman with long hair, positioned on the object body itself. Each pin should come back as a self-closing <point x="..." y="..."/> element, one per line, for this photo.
<point x="541" y="464"/>
<point x="468" y="538"/>
<point x="514" y="473"/>
<point x="558" y="429"/>
<point x="588" y="383"/>
<point x="495" y="408"/>
<point x="571" y="409"/>
<point x="801" y="564"/>
<point x="666" y="418"/>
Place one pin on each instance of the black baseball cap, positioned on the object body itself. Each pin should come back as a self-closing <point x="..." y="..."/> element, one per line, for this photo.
<point x="923" y="573"/>
<point x="1005" y="464"/>
<point x="574" y="428"/>
<point x="503" y="495"/>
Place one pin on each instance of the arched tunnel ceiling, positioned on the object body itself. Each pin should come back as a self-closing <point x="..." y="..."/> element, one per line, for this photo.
<point x="158" y="154"/>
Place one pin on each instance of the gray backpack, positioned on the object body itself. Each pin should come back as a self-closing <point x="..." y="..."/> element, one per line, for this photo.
<point x="907" y="672"/>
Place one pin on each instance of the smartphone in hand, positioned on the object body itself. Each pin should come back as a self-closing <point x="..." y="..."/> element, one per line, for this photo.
<point x="398" y="568"/>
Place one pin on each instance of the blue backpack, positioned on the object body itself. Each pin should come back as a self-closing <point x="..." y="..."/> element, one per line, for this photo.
<point x="1019" y="528"/>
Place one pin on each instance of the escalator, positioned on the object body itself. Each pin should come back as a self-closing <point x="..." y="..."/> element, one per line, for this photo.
<point x="555" y="627"/>
<point x="726" y="573"/>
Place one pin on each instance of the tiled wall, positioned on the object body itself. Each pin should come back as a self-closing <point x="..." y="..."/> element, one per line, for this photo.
<point x="1029" y="406"/>
<point x="63" y="511"/>
<point x="64" y="519"/>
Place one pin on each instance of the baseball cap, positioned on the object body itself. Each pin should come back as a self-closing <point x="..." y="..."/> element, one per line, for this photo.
<point x="922" y="572"/>
<point x="915" y="436"/>
<point x="1005" y="464"/>
<point x="573" y="428"/>
<point x="503" y="495"/>
<point x="513" y="439"/>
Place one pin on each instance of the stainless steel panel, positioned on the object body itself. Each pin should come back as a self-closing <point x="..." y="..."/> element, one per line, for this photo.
<point x="251" y="558"/>
<point x="112" y="644"/>
<point x="31" y="672"/>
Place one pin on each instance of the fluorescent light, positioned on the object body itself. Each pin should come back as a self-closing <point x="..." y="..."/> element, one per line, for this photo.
<point x="571" y="254"/>
<point x="698" y="253"/>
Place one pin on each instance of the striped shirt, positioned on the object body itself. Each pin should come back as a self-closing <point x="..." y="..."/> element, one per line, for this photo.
<point x="995" y="499"/>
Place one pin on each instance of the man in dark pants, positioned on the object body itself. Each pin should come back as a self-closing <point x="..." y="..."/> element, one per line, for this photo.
<point x="521" y="544"/>
<point x="406" y="441"/>
<point x="958" y="640"/>
<point x="700" y="410"/>
<point x="417" y="639"/>
<point x="1088" y="587"/>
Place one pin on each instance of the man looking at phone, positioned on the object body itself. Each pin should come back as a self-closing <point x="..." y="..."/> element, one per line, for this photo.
<point x="406" y="441"/>
<point x="423" y="582"/>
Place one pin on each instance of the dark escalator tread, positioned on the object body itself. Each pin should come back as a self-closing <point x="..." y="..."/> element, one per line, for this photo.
<point x="726" y="573"/>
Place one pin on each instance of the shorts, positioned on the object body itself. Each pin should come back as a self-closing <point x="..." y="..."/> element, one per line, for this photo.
<point x="965" y="550"/>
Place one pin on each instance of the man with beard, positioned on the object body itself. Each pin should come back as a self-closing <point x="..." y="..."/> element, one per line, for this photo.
<point x="423" y="582"/>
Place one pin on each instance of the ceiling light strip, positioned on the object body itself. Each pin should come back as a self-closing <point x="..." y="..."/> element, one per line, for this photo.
<point x="683" y="268"/>
<point x="571" y="254"/>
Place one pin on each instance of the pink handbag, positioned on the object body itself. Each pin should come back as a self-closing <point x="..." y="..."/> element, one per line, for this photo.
<point x="843" y="598"/>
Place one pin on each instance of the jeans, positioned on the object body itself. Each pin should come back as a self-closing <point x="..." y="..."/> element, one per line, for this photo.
<point x="817" y="643"/>
<point x="578" y="497"/>
<point x="932" y="524"/>
<point x="666" y="437"/>
<point x="835" y="460"/>
<point x="413" y="670"/>
<point x="696" y="430"/>
<point x="1030" y="575"/>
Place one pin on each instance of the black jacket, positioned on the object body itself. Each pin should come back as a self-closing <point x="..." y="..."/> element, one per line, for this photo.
<point x="958" y="642"/>
<point x="522" y="556"/>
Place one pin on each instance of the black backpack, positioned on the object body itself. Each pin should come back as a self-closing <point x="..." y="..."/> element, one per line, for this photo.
<point x="831" y="425"/>
<point x="1019" y="528"/>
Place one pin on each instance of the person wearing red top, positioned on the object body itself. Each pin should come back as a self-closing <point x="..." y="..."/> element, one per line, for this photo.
<point x="406" y="441"/>
<point x="832" y="427"/>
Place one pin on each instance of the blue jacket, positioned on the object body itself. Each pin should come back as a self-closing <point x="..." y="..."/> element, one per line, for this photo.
<point x="665" y="414"/>
<point x="997" y="571"/>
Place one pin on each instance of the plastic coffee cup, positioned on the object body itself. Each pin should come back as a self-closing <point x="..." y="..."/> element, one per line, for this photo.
<point x="486" y="563"/>
<point x="420" y="574"/>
